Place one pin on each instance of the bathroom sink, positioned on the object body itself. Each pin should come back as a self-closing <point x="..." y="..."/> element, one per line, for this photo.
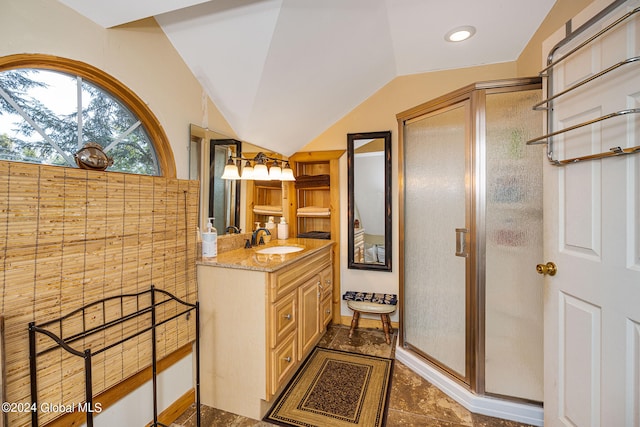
<point x="280" y="250"/>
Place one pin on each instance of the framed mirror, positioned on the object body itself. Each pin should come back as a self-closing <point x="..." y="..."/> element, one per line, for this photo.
<point x="369" y="204"/>
<point x="219" y="198"/>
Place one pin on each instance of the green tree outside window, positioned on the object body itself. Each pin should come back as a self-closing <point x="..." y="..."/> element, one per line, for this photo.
<point x="46" y="116"/>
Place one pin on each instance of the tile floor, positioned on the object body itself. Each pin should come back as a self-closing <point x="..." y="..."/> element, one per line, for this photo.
<point x="413" y="401"/>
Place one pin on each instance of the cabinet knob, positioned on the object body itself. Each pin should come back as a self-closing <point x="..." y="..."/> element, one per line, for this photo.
<point x="328" y="281"/>
<point x="287" y="316"/>
<point x="328" y="311"/>
<point x="287" y="359"/>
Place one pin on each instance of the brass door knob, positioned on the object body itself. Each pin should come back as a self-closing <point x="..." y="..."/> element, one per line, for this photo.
<point x="548" y="268"/>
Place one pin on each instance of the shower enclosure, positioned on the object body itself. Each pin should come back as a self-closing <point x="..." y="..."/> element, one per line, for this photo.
<point x="471" y="224"/>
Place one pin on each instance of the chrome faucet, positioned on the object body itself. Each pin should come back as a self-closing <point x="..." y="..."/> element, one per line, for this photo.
<point x="254" y="236"/>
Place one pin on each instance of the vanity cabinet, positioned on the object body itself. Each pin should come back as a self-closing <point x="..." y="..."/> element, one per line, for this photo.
<point x="297" y="294"/>
<point x="258" y="326"/>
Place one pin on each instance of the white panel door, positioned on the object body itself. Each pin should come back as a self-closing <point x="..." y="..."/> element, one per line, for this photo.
<point x="592" y="234"/>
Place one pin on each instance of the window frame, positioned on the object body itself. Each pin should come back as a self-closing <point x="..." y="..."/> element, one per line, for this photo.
<point x="111" y="85"/>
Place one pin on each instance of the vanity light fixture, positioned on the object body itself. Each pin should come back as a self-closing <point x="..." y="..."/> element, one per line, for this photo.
<point x="275" y="171"/>
<point x="259" y="171"/>
<point x="247" y="171"/>
<point x="459" y="34"/>
<point x="287" y="173"/>
<point x="230" y="170"/>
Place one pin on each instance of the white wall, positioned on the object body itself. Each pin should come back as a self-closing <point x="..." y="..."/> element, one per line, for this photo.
<point x="137" y="408"/>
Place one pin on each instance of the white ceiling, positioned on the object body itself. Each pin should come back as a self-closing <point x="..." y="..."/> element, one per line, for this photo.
<point x="283" y="71"/>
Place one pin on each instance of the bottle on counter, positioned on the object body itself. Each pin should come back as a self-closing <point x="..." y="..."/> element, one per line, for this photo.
<point x="271" y="226"/>
<point x="210" y="241"/>
<point x="283" y="229"/>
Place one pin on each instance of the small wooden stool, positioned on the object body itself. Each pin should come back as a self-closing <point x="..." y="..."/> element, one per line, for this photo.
<point x="375" y="308"/>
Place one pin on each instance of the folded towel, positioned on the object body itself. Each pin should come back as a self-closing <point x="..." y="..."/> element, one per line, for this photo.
<point x="315" y="235"/>
<point x="313" y="211"/>
<point x="309" y="181"/>
<point x="267" y="210"/>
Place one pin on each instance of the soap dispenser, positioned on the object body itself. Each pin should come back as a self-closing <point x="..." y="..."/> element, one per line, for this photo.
<point x="210" y="241"/>
<point x="283" y="229"/>
<point x="271" y="226"/>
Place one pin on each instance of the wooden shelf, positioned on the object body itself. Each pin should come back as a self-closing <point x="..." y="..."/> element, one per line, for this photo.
<point x="267" y="195"/>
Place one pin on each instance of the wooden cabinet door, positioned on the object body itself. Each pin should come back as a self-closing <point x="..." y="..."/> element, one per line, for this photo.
<point x="309" y="323"/>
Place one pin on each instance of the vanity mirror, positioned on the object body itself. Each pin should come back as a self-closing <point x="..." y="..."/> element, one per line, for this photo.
<point x="220" y="199"/>
<point x="369" y="204"/>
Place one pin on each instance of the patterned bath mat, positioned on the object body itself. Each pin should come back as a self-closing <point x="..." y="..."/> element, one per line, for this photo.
<point x="335" y="389"/>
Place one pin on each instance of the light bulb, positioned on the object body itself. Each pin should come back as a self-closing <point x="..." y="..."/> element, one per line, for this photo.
<point x="230" y="170"/>
<point x="260" y="172"/>
<point x="287" y="173"/>
<point x="247" y="171"/>
<point x="275" y="172"/>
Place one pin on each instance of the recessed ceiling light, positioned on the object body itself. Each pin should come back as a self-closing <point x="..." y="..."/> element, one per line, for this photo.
<point x="460" y="33"/>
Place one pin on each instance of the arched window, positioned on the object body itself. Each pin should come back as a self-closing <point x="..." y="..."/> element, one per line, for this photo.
<point x="50" y="107"/>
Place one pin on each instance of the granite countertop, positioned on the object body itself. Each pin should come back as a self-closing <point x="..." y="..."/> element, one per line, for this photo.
<point x="249" y="259"/>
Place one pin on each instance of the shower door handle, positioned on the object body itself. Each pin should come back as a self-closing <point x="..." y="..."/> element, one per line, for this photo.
<point x="461" y="242"/>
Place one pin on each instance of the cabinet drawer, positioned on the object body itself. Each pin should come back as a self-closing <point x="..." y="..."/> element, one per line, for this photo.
<point x="326" y="311"/>
<point x="283" y="362"/>
<point x="289" y="278"/>
<point x="326" y="281"/>
<point x="283" y="318"/>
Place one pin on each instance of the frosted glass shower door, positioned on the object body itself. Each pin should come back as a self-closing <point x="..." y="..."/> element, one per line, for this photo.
<point x="436" y="201"/>
<point x="513" y="237"/>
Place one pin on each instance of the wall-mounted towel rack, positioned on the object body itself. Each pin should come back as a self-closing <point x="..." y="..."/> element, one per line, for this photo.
<point x="547" y="104"/>
<point x="614" y="151"/>
<point x="146" y="303"/>
<point x="541" y="105"/>
<point x="551" y="63"/>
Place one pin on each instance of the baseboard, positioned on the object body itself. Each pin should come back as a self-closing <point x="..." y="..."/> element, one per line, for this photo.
<point x="514" y="411"/>
<point x="177" y="408"/>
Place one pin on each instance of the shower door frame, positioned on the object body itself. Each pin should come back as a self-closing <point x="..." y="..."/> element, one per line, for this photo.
<point x="475" y="94"/>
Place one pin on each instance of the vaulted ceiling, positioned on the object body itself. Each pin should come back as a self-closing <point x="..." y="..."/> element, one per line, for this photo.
<point x="283" y="71"/>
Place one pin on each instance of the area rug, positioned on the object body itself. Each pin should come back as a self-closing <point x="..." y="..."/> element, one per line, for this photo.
<point x="334" y="388"/>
